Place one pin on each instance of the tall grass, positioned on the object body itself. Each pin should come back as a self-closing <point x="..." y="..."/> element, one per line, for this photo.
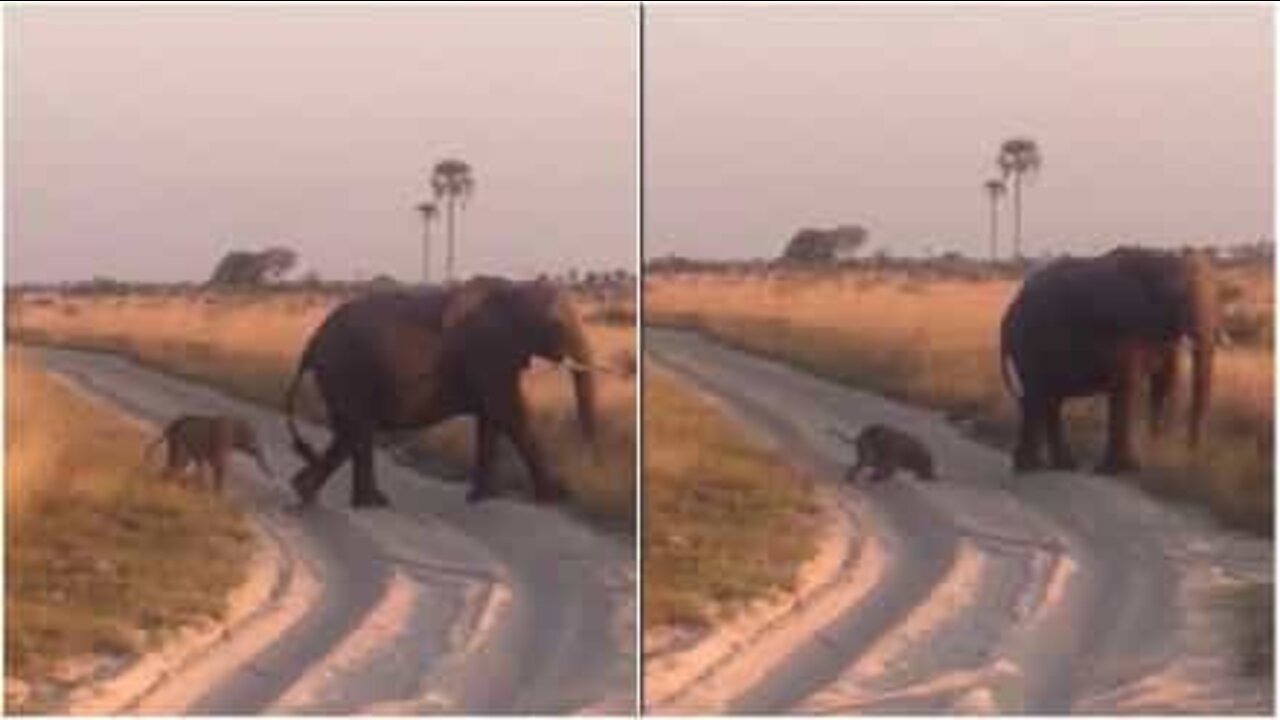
<point x="101" y="557"/>
<point x="935" y="343"/>
<point x="249" y="345"/>
<point x="725" y="522"/>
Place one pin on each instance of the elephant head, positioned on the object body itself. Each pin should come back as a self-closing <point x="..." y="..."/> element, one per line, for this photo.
<point x="1181" y="291"/>
<point x="508" y="323"/>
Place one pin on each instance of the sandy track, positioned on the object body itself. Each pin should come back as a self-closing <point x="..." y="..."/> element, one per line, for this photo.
<point x="429" y="606"/>
<point x="1054" y="593"/>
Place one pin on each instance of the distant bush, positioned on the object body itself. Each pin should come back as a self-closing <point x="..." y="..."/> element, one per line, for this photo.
<point x="250" y="268"/>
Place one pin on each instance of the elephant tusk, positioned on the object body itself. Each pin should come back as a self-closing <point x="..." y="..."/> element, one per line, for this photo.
<point x="576" y="366"/>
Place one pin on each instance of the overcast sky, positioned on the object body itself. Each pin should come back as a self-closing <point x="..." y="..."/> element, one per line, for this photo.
<point x="1155" y="124"/>
<point x="144" y="143"/>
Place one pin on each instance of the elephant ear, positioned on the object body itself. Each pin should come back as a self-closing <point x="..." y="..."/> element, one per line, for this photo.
<point x="477" y="325"/>
<point x="466" y="300"/>
<point x="1150" y="295"/>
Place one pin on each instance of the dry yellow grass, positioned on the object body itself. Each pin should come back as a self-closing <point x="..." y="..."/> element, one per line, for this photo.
<point x="248" y="344"/>
<point x="725" y="522"/>
<point x="935" y="343"/>
<point x="101" y="558"/>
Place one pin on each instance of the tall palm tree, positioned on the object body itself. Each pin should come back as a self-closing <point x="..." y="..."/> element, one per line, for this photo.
<point x="995" y="190"/>
<point x="429" y="212"/>
<point x="453" y="182"/>
<point x="1019" y="157"/>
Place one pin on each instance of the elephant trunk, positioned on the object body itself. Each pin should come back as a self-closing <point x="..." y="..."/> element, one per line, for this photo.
<point x="1204" y="337"/>
<point x="578" y="350"/>
<point x="1202" y="381"/>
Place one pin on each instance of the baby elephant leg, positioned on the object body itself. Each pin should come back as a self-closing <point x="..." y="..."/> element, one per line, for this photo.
<point x="218" y="464"/>
<point x="882" y="473"/>
<point x="851" y="475"/>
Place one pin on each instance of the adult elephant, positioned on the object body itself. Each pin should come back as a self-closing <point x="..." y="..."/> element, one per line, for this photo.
<point x="398" y="360"/>
<point x="1107" y="325"/>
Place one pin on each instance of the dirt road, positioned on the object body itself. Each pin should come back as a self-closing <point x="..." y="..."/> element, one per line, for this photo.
<point x="1054" y="593"/>
<point x="431" y="606"/>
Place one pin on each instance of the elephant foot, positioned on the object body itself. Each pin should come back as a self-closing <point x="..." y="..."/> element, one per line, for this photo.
<point x="1023" y="465"/>
<point x="1117" y="466"/>
<point x="304" y="488"/>
<point x="480" y="493"/>
<point x="549" y="493"/>
<point x="1066" y="463"/>
<point x="371" y="499"/>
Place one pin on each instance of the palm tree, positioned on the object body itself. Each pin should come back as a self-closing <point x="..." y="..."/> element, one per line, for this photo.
<point x="995" y="190"/>
<point x="453" y="182"/>
<point x="429" y="212"/>
<point x="1019" y="156"/>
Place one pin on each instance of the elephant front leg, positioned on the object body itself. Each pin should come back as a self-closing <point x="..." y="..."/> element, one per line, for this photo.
<point x="1120" y="456"/>
<point x="486" y="449"/>
<point x="1163" y="378"/>
<point x="545" y="488"/>
<point x="506" y="410"/>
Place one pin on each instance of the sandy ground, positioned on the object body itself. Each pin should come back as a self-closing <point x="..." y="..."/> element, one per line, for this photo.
<point x="431" y="606"/>
<point x="1053" y="593"/>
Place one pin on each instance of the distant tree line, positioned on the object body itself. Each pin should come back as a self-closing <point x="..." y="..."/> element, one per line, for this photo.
<point x="949" y="263"/>
<point x="262" y="272"/>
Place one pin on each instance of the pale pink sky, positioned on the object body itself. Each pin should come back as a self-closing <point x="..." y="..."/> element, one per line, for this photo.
<point x="1155" y="123"/>
<point x="144" y="142"/>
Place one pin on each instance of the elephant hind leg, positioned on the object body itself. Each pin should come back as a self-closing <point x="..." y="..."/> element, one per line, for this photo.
<point x="308" y="481"/>
<point x="486" y="449"/>
<point x="1031" y="432"/>
<point x="1059" y="451"/>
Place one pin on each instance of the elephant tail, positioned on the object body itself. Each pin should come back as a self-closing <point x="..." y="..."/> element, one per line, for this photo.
<point x="1012" y="378"/>
<point x="300" y="446"/>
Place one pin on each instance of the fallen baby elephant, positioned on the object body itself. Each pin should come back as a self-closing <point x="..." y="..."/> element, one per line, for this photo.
<point x="885" y="450"/>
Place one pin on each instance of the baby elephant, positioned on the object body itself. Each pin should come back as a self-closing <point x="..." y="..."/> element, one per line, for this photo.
<point x="885" y="450"/>
<point x="207" y="441"/>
